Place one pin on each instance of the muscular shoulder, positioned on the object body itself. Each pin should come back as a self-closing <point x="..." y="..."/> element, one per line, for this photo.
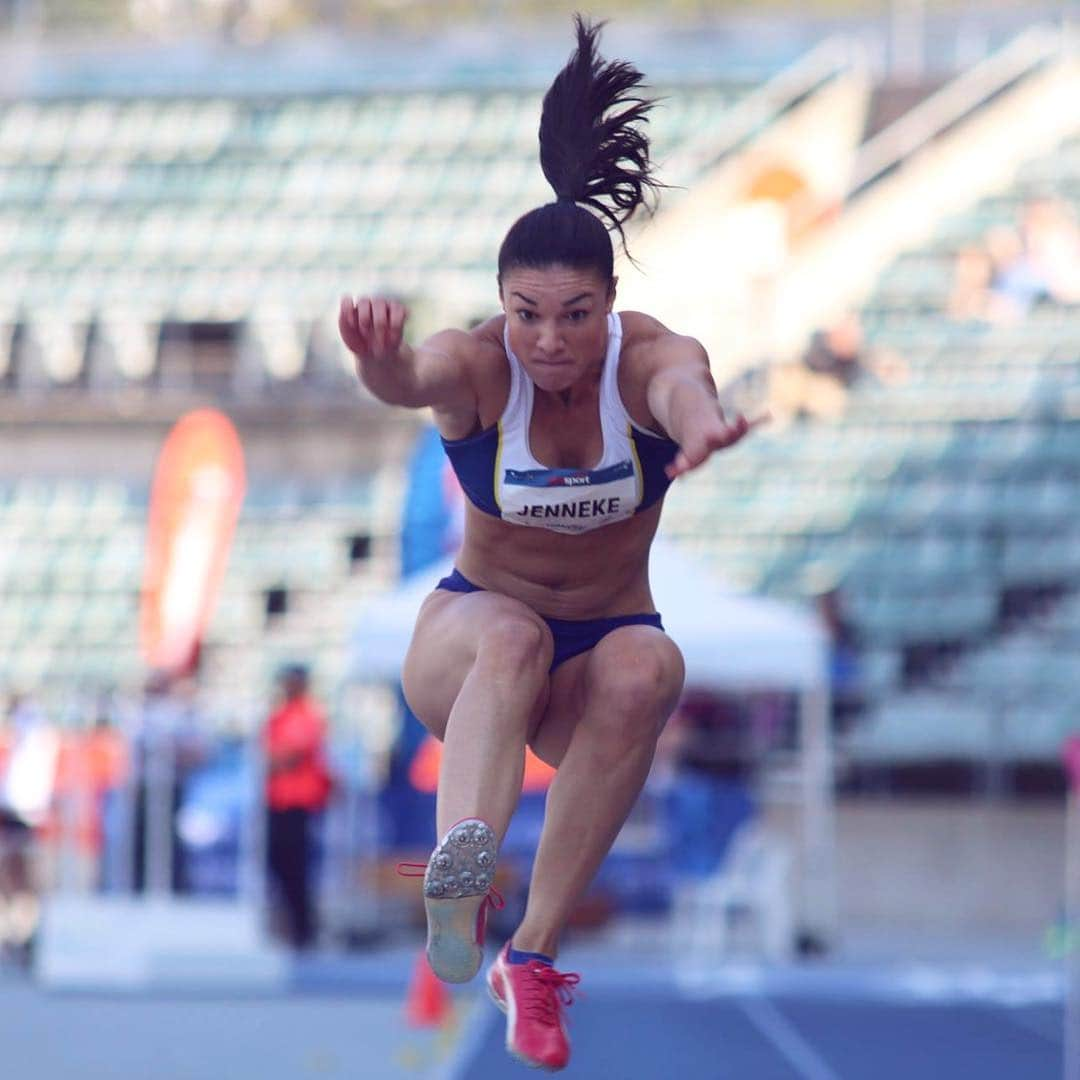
<point x="640" y="329"/>
<point x="475" y="350"/>
<point x="479" y="352"/>
<point x="487" y="344"/>
<point x="648" y="346"/>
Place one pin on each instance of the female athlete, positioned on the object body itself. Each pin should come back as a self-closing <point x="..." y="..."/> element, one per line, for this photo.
<point x="565" y="423"/>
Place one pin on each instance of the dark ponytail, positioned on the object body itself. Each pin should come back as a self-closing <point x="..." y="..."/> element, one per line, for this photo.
<point x="593" y="156"/>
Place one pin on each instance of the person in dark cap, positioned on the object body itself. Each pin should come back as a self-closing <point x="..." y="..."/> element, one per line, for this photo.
<point x="298" y="786"/>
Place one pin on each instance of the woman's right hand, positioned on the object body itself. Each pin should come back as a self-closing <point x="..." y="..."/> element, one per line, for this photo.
<point x="372" y="327"/>
<point x="435" y="373"/>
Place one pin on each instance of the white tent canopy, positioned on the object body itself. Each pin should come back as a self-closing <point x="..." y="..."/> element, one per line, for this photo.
<point x="732" y="640"/>
<point x="729" y="640"/>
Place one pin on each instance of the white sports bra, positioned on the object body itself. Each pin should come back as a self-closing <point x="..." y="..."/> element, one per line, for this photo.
<point x="500" y="476"/>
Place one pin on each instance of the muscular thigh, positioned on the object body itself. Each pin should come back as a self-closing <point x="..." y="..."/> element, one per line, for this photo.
<point x="444" y="647"/>
<point x="581" y="688"/>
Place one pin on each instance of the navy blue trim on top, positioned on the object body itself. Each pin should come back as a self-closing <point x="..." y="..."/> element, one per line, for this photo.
<point x="654" y="452"/>
<point x="473" y="459"/>
<point x="546" y="478"/>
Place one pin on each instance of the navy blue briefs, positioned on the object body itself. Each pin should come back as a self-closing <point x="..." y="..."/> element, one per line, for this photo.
<point x="572" y="636"/>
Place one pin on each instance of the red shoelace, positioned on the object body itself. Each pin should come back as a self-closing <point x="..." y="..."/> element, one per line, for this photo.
<point x="418" y="869"/>
<point x="546" y="991"/>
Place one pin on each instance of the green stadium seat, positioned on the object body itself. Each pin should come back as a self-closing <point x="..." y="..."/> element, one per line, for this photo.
<point x="922" y="727"/>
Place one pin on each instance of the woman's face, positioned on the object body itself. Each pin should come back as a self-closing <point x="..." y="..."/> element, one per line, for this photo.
<point x="557" y="320"/>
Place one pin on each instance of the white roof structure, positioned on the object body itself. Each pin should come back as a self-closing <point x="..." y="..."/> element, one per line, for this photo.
<point x="731" y="639"/>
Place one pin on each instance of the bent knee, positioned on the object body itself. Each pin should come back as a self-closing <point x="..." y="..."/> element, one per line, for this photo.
<point x="516" y="642"/>
<point x="639" y="677"/>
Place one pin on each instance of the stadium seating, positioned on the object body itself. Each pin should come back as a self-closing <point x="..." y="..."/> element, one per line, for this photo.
<point x="930" y="505"/>
<point x="210" y="208"/>
<point x="120" y="214"/>
<point x="71" y="557"/>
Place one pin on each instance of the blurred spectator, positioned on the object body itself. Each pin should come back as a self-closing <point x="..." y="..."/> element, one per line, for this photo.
<point x="298" y="786"/>
<point x="993" y="282"/>
<point x="845" y="685"/>
<point x="1019" y="266"/>
<point x="838" y="352"/>
<point x="91" y="766"/>
<point x="169" y="745"/>
<point x="1051" y="242"/>
<point x="836" y="358"/>
<point x="98" y="772"/>
<point x="1016" y="283"/>
<point x="29" y="750"/>
<point x="969" y="298"/>
<point x="709" y="756"/>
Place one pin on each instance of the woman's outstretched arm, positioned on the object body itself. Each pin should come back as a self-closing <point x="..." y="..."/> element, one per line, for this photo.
<point x="682" y="396"/>
<point x="436" y="373"/>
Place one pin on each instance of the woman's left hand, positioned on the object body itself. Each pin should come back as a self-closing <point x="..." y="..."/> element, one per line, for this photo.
<point x="719" y="436"/>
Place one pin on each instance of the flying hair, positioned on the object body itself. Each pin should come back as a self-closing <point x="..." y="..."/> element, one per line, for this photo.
<point x="591" y="150"/>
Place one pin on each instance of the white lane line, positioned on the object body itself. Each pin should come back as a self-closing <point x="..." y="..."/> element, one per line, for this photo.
<point x="772" y="1023"/>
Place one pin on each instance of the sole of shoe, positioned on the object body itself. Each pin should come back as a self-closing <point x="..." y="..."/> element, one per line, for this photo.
<point x="456" y="883"/>
<point x="453" y="951"/>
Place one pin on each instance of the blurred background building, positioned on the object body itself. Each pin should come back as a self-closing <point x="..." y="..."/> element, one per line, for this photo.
<point x="872" y="227"/>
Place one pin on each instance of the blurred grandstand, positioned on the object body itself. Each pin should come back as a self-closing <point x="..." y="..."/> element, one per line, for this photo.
<point x="177" y="224"/>
<point x="160" y="252"/>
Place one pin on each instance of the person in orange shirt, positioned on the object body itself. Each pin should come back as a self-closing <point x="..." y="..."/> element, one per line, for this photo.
<point x="298" y="786"/>
<point x="91" y="765"/>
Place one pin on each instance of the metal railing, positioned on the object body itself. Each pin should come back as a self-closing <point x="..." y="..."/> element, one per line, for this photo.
<point x="759" y="108"/>
<point x="941" y="111"/>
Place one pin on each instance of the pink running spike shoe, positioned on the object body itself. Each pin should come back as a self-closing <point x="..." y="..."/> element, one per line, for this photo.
<point x="533" y="996"/>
